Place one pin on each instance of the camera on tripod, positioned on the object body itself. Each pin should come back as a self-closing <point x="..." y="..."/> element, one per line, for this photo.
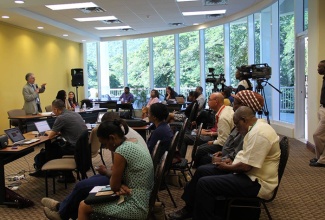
<point x="215" y="79"/>
<point x="255" y="71"/>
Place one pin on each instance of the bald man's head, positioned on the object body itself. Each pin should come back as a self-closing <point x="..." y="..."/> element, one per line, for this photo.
<point x="244" y="117"/>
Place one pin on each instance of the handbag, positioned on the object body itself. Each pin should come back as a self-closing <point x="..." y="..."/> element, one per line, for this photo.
<point x="17" y="199"/>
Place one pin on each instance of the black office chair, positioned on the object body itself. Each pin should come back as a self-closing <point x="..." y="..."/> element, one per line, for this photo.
<point x="233" y="202"/>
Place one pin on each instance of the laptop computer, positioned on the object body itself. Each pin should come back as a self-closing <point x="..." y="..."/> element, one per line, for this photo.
<point x="42" y="126"/>
<point x="180" y="100"/>
<point x="99" y="120"/>
<point x="18" y="138"/>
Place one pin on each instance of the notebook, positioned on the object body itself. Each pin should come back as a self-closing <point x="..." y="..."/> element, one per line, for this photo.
<point x="17" y="138"/>
<point x="42" y="126"/>
<point x="180" y="100"/>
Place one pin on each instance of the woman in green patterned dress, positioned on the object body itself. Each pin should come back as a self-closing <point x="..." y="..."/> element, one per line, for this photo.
<point x="132" y="175"/>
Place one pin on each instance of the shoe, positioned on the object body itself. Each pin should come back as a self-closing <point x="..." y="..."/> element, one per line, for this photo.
<point x="316" y="164"/>
<point x="180" y="214"/>
<point x="70" y="179"/>
<point x="52" y="215"/>
<point x="38" y="173"/>
<point x="314" y="160"/>
<point x="52" y="204"/>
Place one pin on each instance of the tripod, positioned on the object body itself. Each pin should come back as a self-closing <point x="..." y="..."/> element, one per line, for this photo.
<point x="260" y="89"/>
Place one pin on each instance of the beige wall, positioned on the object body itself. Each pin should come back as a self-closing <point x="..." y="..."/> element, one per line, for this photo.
<point x="316" y="48"/>
<point x="49" y="58"/>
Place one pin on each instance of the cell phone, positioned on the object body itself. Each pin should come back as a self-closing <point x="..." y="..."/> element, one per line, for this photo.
<point x="106" y="188"/>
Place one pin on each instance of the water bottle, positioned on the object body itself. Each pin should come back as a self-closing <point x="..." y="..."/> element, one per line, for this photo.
<point x="93" y="104"/>
<point x="84" y="106"/>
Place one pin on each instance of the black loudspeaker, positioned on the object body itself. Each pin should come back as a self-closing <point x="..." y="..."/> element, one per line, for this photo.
<point x="77" y="77"/>
<point x="3" y="141"/>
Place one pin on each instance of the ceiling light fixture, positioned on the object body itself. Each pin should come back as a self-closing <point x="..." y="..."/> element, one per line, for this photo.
<point x="40" y="27"/>
<point x="65" y="35"/>
<point x="112" y="28"/>
<point x="203" y="12"/>
<point x="72" y="6"/>
<point x="96" y="18"/>
<point x="19" y="2"/>
<point x="5" y="16"/>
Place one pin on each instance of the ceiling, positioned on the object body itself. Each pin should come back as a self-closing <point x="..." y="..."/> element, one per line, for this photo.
<point x="143" y="16"/>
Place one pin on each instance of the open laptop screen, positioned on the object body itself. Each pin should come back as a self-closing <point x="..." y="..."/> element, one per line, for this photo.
<point x="42" y="126"/>
<point x="14" y="134"/>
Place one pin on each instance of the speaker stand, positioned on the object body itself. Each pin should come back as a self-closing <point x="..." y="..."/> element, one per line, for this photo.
<point x="77" y="94"/>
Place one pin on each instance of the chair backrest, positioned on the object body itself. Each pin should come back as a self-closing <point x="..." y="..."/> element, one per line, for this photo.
<point x="83" y="154"/>
<point x="94" y="142"/>
<point x="88" y="102"/>
<point x="48" y="108"/>
<point x="155" y="155"/>
<point x="194" y="112"/>
<point x="171" y="150"/>
<point x="159" y="174"/>
<point x="108" y="105"/>
<point x="13" y="113"/>
<point x="196" y="142"/>
<point x="182" y="133"/>
<point x="284" y="147"/>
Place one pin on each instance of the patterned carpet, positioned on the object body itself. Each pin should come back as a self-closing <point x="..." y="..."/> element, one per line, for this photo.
<point x="300" y="196"/>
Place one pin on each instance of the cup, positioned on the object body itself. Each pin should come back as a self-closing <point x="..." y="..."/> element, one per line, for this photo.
<point x="77" y="109"/>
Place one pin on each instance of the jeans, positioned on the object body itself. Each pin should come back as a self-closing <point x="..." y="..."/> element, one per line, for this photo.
<point x="69" y="206"/>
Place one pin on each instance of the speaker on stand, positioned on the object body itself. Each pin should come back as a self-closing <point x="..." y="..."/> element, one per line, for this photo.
<point x="77" y="79"/>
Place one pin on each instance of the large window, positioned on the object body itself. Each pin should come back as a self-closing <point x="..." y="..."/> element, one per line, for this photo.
<point x="189" y="60"/>
<point x="214" y="52"/>
<point x="287" y="58"/>
<point x="238" y="47"/>
<point x="91" y="49"/>
<point x="164" y="61"/>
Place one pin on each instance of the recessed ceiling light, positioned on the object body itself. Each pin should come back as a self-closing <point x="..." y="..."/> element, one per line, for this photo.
<point x="112" y="28"/>
<point x="72" y="6"/>
<point x="65" y="35"/>
<point x="196" y="24"/>
<point x="19" y="2"/>
<point x="40" y="27"/>
<point x="118" y="35"/>
<point x="190" y="13"/>
<point x="5" y="16"/>
<point x="96" y="18"/>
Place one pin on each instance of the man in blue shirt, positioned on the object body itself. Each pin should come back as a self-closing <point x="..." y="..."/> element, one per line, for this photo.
<point x="126" y="96"/>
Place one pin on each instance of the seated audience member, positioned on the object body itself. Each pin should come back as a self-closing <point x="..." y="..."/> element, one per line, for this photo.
<point x="228" y="98"/>
<point x="224" y="125"/>
<point x="72" y="100"/>
<point x="223" y="121"/>
<point x="180" y="116"/>
<point x="234" y="142"/>
<point x="170" y="93"/>
<point x="68" y="208"/>
<point x="200" y="99"/>
<point x="157" y="115"/>
<point x="70" y="125"/>
<point x="126" y="96"/>
<point x="154" y="98"/>
<point x="244" y="83"/>
<point x="253" y="173"/>
<point x="62" y="95"/>
<point x="132" y="175"/>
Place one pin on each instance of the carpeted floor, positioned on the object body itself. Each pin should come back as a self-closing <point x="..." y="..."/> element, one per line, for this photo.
<point x="300" y="196"/>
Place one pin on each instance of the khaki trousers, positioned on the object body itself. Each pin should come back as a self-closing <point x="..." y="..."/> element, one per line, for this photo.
<point x="319" y="136"/>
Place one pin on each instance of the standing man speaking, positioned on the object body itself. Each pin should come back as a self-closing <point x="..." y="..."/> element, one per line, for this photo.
<point x="31" y="92"/>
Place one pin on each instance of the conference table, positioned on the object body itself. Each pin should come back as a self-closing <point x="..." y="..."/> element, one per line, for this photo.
<point x="89" y="116"/>
<point x="10" y="154"/>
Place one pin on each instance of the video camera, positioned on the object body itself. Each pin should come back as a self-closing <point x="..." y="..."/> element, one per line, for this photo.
<point x="212" y="78"/>
<point x="255" y="71"/>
